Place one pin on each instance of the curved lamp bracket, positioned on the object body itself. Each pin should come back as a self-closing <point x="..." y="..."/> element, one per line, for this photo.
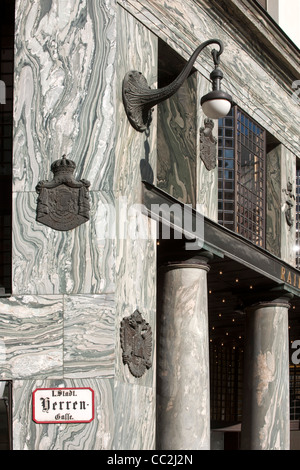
<point x="139" y="98"/>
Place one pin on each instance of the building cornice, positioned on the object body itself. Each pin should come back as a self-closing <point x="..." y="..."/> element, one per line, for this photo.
<point x="257" y="29"/>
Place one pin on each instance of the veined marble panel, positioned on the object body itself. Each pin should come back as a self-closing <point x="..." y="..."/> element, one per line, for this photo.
<point x="96" y="435"/>
<point x="273" y="204"/>
<point x="89" y="336"/>
<point x="135" y="246"/>
<point x="207" y="181"/>
<point x="64" y="89"/>
<point x="31" y="337"/>
<point x="288" y="234"/>
<point x="135" y="151"/>
<point x="135" y="281"/>
<point x="135" y="421"/>
<point x="177" y="143"/>
<point x="46" y="261"/>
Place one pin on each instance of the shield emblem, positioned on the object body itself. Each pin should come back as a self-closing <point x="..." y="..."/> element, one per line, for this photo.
<point x="136" y="343"/>
<point x="63" y="204"/>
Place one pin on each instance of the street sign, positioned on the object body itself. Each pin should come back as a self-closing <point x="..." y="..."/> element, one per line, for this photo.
<point x="63" y="405"/>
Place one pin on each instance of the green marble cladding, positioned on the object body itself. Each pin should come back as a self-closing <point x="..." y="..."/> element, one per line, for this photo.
<point x="281" y="170"/>
<point x="80" y="261"/>
<point x="57" y="336"/>
<point x="135" y="255"/>
<point x="97" y="435"/>
<point x="177" y="143"/>
<point x="288" y="234"/>
<point x="31" y="339"/>
<point x="180" y="169"/>
<point x="273" y="205"/>
<point x="71" y="289"/>
<point x="64" y="77"/>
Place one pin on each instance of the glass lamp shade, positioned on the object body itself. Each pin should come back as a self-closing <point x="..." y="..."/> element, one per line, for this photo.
<point x="216" y="104"/>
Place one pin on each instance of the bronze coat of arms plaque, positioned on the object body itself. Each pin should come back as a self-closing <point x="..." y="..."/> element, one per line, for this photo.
<point x="63" y="203"/>
<point x="136" y="343"/>
<point x="208" y="145"/>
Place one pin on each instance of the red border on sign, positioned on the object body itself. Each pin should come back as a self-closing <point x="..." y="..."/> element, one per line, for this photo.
<point x="64" y="421"/>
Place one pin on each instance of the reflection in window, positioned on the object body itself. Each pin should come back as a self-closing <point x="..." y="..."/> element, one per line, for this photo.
<point x="226" y="163"/>
<point x="242" y="150"/>
<point x="250" y="179"/>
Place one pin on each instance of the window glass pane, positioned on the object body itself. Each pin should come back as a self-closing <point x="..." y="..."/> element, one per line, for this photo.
<point x="229" y="153"/>
<point x="241" y="160"/>
<point x="251" y="179"/>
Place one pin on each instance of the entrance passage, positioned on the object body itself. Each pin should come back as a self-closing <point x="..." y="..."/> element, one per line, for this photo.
<point x="229" y="285"/>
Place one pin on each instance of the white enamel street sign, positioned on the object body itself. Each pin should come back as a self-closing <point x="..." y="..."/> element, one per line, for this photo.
<point x="63" y="405"/>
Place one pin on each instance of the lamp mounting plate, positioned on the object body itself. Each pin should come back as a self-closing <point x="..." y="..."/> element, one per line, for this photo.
<point x="136" y="92"/>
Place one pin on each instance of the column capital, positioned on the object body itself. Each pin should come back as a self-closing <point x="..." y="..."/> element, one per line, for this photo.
<point x="283" y="301"/>
<point x="273" y="297"/>
<point x="185" y="260"/>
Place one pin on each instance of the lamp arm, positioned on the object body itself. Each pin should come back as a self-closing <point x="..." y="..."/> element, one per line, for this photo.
<point x="139" y="98"/>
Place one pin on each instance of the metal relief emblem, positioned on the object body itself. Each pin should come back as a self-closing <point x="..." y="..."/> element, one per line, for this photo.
<point x="208" y="145"/>
<point x="289" y="204"/>
<point x="136" y="343"/>
<point x="63" y="203"/>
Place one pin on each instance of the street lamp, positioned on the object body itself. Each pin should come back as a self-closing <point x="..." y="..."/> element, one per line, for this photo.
<point x="139" y="98"/>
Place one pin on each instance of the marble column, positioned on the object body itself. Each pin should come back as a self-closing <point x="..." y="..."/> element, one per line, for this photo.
<point x="183" y="410"/>
<point x="266" y="424"/>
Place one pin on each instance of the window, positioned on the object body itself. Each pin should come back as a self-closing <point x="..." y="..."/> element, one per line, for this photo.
<point x="241" y="179"/>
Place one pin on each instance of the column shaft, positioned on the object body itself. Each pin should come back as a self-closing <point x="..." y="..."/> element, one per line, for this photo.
<point x="183" y="411"/>
<point x="266" y="424"/>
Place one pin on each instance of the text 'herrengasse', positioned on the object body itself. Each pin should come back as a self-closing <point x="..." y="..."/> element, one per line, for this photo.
<point x="62" y="405"/>
<point x="55" y="405"/>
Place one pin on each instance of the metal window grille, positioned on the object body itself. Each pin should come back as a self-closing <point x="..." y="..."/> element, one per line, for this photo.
<point x="294" y="392"/>
<point x="226" y="171"/>
<point x="241" y="159"/>
<point x="226" y="384"/>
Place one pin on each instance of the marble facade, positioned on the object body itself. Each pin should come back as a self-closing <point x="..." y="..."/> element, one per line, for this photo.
<point x="71" y="289"/>
<point x="60" y="327"/>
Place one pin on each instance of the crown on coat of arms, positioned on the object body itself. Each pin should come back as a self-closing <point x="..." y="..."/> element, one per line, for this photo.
<point x="64" y="165"/>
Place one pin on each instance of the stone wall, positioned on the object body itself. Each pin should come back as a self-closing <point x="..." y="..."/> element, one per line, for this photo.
<point x="61" y="326"/>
